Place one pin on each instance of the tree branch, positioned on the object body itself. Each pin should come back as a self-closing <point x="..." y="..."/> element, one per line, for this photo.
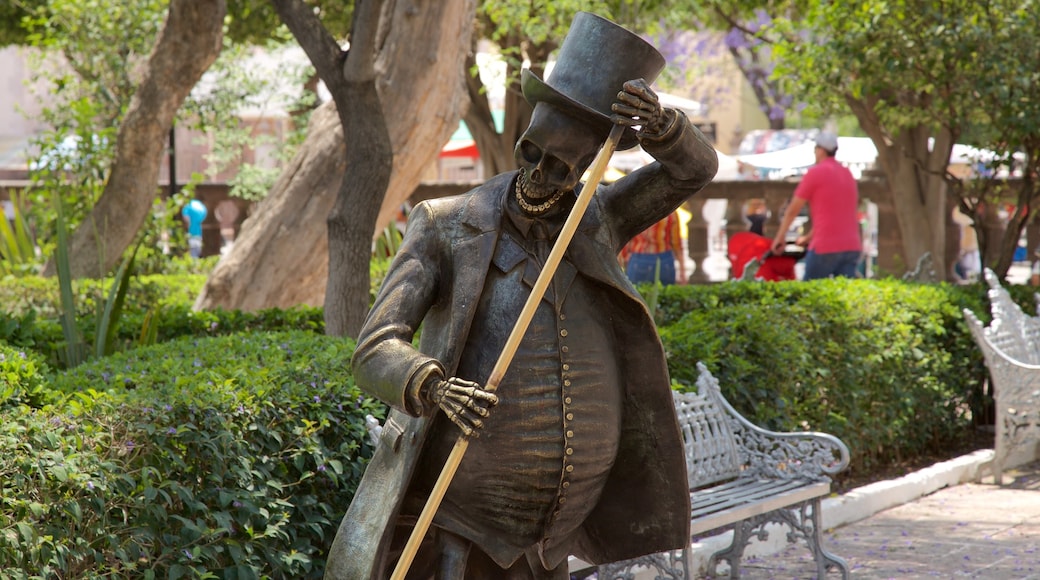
<point x="322" y="49"/>
<point x="365" y="35"/>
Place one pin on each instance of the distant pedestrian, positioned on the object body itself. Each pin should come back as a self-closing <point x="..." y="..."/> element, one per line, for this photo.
<point x="831" y="192"/>
<point x="757" y="214"/>
<point x="651" y="256"/>
<point x="194" y="214"/>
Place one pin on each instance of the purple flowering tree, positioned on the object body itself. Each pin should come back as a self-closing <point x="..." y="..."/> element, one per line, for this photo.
<point x="710" y="41"/>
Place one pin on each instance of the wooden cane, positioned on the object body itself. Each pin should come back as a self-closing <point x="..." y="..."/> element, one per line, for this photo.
<point x="599" y="166"/>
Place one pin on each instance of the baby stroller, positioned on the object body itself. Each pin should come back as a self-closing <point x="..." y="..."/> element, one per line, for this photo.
<point x="747" y="246"/>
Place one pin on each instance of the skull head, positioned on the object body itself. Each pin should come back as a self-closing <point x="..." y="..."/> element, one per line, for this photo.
<point x="554" y="151"/>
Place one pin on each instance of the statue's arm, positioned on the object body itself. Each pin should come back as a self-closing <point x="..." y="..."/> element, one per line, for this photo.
<point x="685" y="162"/>
<point x="385" y="363"/>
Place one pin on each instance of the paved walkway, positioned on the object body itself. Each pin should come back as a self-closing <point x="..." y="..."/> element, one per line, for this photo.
<point x="970" y="530"/>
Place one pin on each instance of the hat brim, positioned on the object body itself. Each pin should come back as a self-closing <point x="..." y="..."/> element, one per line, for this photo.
<point x="536" y="91"/>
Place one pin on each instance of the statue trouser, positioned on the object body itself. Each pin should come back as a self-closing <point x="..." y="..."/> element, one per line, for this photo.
<point x="446" y="556"/>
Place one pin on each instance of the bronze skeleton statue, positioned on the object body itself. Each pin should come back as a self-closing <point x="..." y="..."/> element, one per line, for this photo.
<point x="578" y="452"/>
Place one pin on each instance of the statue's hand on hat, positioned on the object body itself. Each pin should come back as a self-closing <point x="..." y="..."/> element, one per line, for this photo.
<point x="637" y="104"/>
<point x="466" y="403"/>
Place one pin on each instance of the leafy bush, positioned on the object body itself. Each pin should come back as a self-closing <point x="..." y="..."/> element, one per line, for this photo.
<point x="22" y="376"/>
<point x="888" y="367"/>
<point x="19" y="295"/>
<point x="163" y="302"/>
<point x="226" y="457"/>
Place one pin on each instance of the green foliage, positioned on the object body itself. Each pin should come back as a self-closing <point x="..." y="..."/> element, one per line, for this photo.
<point x="230" y="457"/>
<point x="40" y="296"/>
<point x="107" y="318"/>
<point x="256" y="21"/>
<point x="17" y="247"/>
<point x="156" y="309"/>
<point x="22" y="376"/>
<point x="11" y="16"/>
<point x="242" y="81"/>
<point x="83" y="72"/>
<point x="887" y="366"/>
<point x="75" y="349"/>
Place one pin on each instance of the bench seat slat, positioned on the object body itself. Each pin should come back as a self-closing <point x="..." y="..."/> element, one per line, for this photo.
<point x="743" y="499"/>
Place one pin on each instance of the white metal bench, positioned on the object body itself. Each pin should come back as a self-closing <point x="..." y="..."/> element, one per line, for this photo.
<point x="746" y="477"/>
<point x="1011" y="347"/>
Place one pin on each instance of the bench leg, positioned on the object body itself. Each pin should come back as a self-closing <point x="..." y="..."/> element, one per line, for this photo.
<point x="742" y="533"/>
<point x="804" y="521"/>
<point x="824" y="559"/>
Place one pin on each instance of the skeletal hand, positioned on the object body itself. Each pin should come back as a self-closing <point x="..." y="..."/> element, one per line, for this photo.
<point x="637" y="104"/>
<point x="464" y="402"/>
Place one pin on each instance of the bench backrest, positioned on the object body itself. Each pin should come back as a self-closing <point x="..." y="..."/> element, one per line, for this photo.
<point x="1012" y="332"/>
<point x="712" y="451"/>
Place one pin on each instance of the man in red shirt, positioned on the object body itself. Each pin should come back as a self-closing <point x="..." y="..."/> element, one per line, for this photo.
<point x="830" y="190"/>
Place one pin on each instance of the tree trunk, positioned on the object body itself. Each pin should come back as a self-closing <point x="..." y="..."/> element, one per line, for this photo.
<point x="914" y="170"/>
<point x="282" y="256"/>
<point x="189" y="43"/>
<point x="366" y="178"/>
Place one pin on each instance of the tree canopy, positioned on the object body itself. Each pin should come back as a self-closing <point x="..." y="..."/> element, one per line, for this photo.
<point x="919" y="77"/>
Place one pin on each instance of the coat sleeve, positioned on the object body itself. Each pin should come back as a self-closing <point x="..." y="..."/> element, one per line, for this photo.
<point x="385" y="363"/>
<point x="685" y="162"/>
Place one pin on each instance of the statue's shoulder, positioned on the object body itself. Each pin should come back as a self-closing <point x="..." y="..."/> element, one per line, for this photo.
<point x="475" y="204"/>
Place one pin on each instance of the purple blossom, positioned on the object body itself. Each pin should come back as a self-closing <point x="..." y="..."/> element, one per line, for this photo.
<point x="736" y="39"/>
<point x="321" y="467"/>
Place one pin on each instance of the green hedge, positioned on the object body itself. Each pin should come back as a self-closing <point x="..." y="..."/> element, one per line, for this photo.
<point x="30" y="313"/>
<point x="224" y="457"/>
<point x="232" y="450"/>
<point x="887" y="366"/>
<point x="23" y="294"/>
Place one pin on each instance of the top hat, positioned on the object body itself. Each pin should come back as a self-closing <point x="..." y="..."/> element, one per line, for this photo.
<point x="596" y="59"/>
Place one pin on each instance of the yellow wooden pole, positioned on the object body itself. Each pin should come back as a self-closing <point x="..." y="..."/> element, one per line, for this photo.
<point x="451" y="465"/>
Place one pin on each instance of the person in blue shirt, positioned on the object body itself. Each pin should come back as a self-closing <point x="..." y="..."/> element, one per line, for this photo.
<point x="194" y="214"/>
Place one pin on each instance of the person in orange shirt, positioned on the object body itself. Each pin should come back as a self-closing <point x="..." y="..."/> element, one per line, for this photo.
<point x="652" y="255"/>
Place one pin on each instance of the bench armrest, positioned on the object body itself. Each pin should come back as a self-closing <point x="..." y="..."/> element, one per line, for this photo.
<point x="792" y="455"/>
<point x="772" y="454"/>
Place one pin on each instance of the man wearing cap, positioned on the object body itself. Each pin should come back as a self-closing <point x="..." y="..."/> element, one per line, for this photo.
<point x="831" y="192"/>
<point x="581" y="453"/>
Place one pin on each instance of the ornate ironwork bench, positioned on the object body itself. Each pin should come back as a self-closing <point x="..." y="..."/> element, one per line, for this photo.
<point x="745" y="477"/>
<point x="1011" y="348"/>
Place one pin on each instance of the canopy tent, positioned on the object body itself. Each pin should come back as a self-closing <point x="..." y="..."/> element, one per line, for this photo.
<point x="856" y="153"/>
<point x="635" y="158"/>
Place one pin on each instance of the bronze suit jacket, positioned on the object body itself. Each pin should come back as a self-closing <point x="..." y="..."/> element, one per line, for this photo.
<point x="435" y="281"/>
